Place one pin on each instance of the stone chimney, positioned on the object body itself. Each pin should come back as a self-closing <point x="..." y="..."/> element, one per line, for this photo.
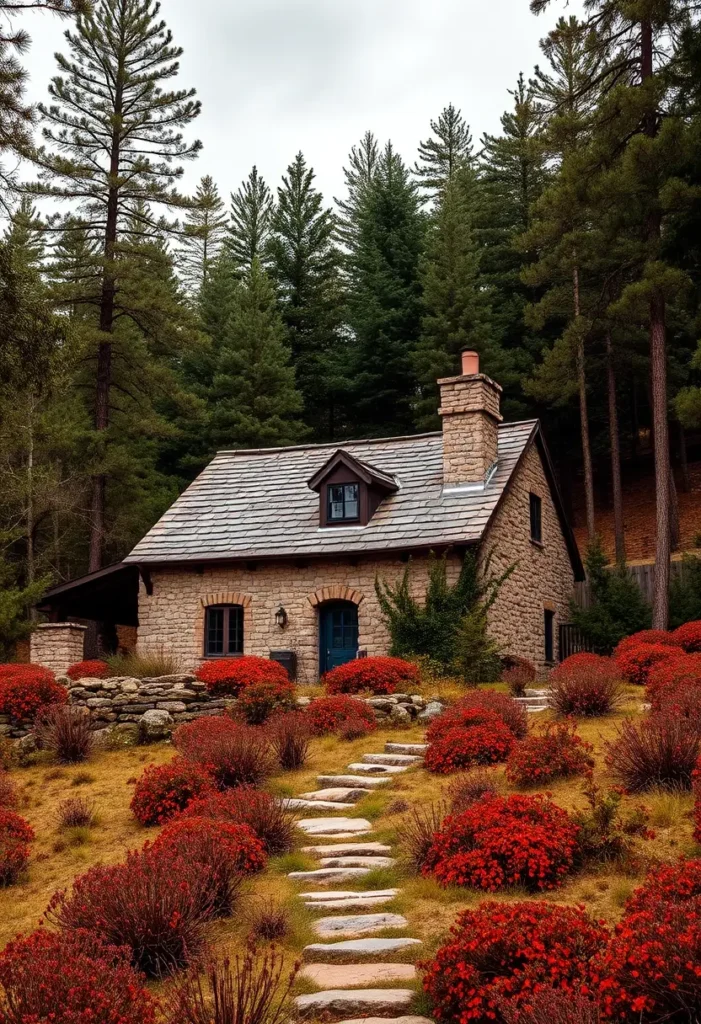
<point x="470" y="410"/>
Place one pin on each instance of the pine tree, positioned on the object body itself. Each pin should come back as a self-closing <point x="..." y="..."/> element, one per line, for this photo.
<point x="305" y="267"/>
<point x="385" y="300"/>
<point x="442" y="156"/>
<point x="204" y="235"/>
<point x="114" y="141"/>
<point x="251" y="221"/>
<point x="359" y="176"/>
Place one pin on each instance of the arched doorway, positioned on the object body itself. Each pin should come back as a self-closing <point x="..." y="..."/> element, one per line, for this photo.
<point x="338" y="634"/>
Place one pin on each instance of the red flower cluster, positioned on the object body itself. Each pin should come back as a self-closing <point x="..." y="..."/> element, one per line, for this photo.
<point x="511" y="713"/>
<point x="26" y="689"/>
<point x="16" y="836"/>
<point x="507" y="952"/>
<point x="670" y="673"/>
<point x="89" y="670"/>
<point x="232" y="753"/>
<point x="697" y="801"/>
<point x="266" y="815"/>
<point x="645" y="636"/>
<point x="164" y="790"/>
<point x="329" y="714"/>
<point x="556" y="753"/>
<point x="689" y="636"/>
<point x="226" y="677"/>
<point x="501" y="841"/>
<point x="72" y="978"/>
<point x="378" y="675"/>
<point x="258" y="701"/>
<point x="237" y="842"/>
<point x="637" y="662"/>
<point x="651" y="968"/>
<point x="482" y="738"/>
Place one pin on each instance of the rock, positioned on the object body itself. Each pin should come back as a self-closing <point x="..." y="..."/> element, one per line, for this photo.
<point x="173" y="706"/>
<point x="99" y="702"/>
<point x="353" y="949"/>
<point x="349" y="850"/>
<point x="381" y="704"/>
<point x="329" y="826"/>
<point x="126" y="732"/>
<point x="400" y="715"/>
<point x="324" y="896"/>
<point x="393" y="760"/>
<point x="329" y="874"/>
<point x="349" y="903"/>
<point x="388" y="1020"/>
<point x="354" y="781"/>
<point x="349" y="975"/>
<point x="296" y="803"/>
<point x="376" y="769"/>
<point x="26" y="746"/>
<point x="304" y="702"/>
<point x="155" y="725"/>
<point x="357" y="924"/>
<point x="432" y="710"/>
<point x="357" y="862"/>
<point x="417" y="749"/>
<point x="339" y="795"/>
<point x="181" y="679"/>
<point x="337" y="1001"/>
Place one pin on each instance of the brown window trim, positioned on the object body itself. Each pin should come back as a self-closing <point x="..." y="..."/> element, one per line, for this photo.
<point x="226" y="608"/>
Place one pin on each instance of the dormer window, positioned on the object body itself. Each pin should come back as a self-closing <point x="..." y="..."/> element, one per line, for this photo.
<point x="343" y="503"/>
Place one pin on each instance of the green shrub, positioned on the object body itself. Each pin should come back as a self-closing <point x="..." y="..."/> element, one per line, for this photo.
<point x="617" y="609"/>
<point x="685" y="593"/>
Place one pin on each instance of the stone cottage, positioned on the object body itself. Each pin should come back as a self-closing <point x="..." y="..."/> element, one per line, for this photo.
<point x="276" y="551"/>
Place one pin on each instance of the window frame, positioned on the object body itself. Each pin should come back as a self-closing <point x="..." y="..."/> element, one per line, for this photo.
<point x="549" y="636"/>
<point x="226" y="628"/>
<point x="334" y="520"/>
<point x="535" y="511"/>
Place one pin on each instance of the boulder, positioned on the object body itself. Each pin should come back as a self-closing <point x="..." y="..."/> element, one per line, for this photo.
<point x="155" y="725"/>
<point x="432" y="710"/>
<point x="400" y="715"/>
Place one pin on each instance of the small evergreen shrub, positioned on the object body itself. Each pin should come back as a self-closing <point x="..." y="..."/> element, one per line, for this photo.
<point x="328" y="714"/>
<point x="483" y="738"/>
<point x="257" y="702"/>
<point x="688" y="637"/>
<point x="507" y="952"/>
<point x="232" y="753"/>
<point x="685" y="592"/>
<point x="9" y="797"/>
<point x="290" y="736"/>
<point x="65" y="732"/>
<point x="227" y="677"/>
<point x="556" y="753"/>
<point x="266" y="815"/>
<point x="637" y="662"/>
<point x="70" y="978"/>
<point x="164" y="790"/>
<point x="377" y="675"/>
<point x="617" y="608"/>
<point x="16" y="837"/>
<point x="606" y="834"/>
<point x="512" y="714"/>
<point x="27" y="689"/>
<point x="504" y="841"/>
<point x="89" y="670"/>
<point x="660" y="751"/>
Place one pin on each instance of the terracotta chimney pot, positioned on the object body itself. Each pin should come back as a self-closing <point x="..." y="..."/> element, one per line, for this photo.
<point x="470" y="363"/>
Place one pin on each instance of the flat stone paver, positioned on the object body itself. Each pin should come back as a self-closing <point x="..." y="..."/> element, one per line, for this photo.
<point x="349" y="975"/>
<point x="329" y="826"/>
<point x="300" y="804"/>
<point x="336" y="1001"/>
<point x="329" y="874"/>
<point x="388" y="1020"/>
<point x="339" y="794"/>
<point x="355" y="949"/>
<point x="341" y="894"/>
<point x="357" y="862"/>
<point x="357" y="924"/>
<point x="348" y="904"/>
<point x="355" y="781"/>
<point x="416" y="749"/>
<point x="393" y="760"/>
<point x="349" y="850"/>
<point x="384" y="769"/>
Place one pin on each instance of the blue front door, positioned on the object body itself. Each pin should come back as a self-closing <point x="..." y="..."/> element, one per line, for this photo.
<point x="338" y="634"/>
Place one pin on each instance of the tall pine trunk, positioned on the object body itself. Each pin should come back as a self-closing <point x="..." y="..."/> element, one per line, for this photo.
<point x="584" y="417"/>
<point x="683" y="460"/>
<point x="615" y="445"/>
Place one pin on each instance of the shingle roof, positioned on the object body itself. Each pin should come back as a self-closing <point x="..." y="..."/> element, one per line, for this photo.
<point x="256" y="504"/>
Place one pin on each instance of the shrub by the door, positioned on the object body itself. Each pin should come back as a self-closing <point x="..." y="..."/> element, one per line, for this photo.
<point x="376" y="675"/>
<point x="227" y="677"/>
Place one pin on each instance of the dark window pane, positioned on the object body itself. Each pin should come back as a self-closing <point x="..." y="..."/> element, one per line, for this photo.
<point x="536" y="510"/>
<point x="549" y="644"/>
<point x="235" y="629"/>
<point x="215" y="631"/>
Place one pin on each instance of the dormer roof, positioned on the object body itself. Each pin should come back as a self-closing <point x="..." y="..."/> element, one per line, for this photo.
<point x="370" y="475"/>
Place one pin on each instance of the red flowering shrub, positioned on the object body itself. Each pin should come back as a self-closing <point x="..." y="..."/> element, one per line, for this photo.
<point x="16" y="836"/>
<point x="502" y="841"/>
<point x="70" y="979"/>
<point x="525" y="667"/>
<point x="328" y="714"/>
<point x="232" y="753"/>
<point x="290" y="735"/>
<point x="378" y="675"/>
<point x="645" y="636"/>
<point x="155" y="904"/>
<point x="689" y="636"/>
<point x="672" y="672"/>
<point x="513" y="714"/>
<point x="89" y="670"/>
<point x="165" y="789"/>
<point x="519" y="677"/>
<point x="483" y="738"/>
<point x="8" y="790"/>
<point x="586" y="684"/>
<point x="266" y="815"/>
<point x="636" y="663"/>
<point x="683" y="700"/>
<point x="258" y="701"/>
<point x="651" y="968"/>
<point x="696" y="778"/>
<point x="556" y="753"/>
<point x="26" y="689"/>
<point x="657" y="751"/>
<point x="226" y="677"/>
<point x="509" y="951"/>
<point x="553" y="1006"/>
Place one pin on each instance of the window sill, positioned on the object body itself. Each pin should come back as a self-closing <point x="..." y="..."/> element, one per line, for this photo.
<point x="221" y="657"/>
<point x="537" y="544"/>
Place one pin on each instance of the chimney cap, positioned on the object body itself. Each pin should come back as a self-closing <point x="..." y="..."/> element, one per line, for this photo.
<point x="470" y="362"/>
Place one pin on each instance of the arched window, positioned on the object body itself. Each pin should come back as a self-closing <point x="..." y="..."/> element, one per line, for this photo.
<point x="223" y="631"/>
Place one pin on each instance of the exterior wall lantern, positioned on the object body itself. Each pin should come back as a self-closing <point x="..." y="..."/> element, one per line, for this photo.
<point x="281" y="617"/>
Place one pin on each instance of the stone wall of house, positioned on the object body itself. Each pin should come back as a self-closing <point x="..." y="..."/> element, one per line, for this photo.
<point x="543" y="577"/>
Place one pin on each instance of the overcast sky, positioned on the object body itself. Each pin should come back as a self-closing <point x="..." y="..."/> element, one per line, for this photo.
<point x="277" y="76"/>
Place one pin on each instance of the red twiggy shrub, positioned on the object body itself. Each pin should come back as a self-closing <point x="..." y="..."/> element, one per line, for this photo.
<point x="16" y="836"/>
<point x="378" y="675"/>
<point x="513" y="714"/>
<point x="70" y="979"/>
<point x="507" y="952"/>
<point x="229" y="676"/>
<point x="26" y="689"/>
<point x="354" y="729"/>
<point x="232" y="753"/>
<point x="65" y="731"/>
<point x="586" y="684"/>
<point x="266" y="815"/>
<point x="556" y="753"/>
<point x="697" y="801"/>
<point x="259" y="700"/>
<point x="89" y="670"/>
<point x="636" y="663"/>
<point x="290" y="735"/>
<point x="165" y="789"/>
<point x="327" y="714"/>
<point x="503" y="841"/>
<point x="689" y="636"/>
<point x="651" y="968"/>
<point x="484" y="738"/>
<point x="657" y="751"/>
<point x="8" y="790"/>
<point x="156" y="905"/>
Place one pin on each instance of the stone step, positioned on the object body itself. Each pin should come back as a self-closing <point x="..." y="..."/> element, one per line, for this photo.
<point x="388" y="1020"/>
<point x="341" y="795"/>
<point x="349" y="850"/>
<point x="356" y="781"/>
<point x="350" y="975"/>
<point x="339" y="1002"/>
<point x="357" y="924"/>
<point x="325" y="895"/>
<point x="351" y="903"/>
<point x="394" y="760"/>
<point x="329" y="874"/>
<point x="351" y="950"/>
<point x="342" y="827"/>
<point x="357" y="862"/>
<point x="380" y="769"/>
<point x="406" y="748"/>
<point x="535" y="711"/>
<point x="535" y="702"/>
<point x="298" y="804"/>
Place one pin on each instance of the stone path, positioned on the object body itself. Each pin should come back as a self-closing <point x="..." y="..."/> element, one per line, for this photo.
<point x="346" y="969"/>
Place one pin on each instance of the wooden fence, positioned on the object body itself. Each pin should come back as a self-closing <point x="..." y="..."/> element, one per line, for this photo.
<point x="643" y="574"/>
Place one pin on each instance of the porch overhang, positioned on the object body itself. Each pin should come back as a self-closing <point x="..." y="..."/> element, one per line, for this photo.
<point x="107" y="595"/>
